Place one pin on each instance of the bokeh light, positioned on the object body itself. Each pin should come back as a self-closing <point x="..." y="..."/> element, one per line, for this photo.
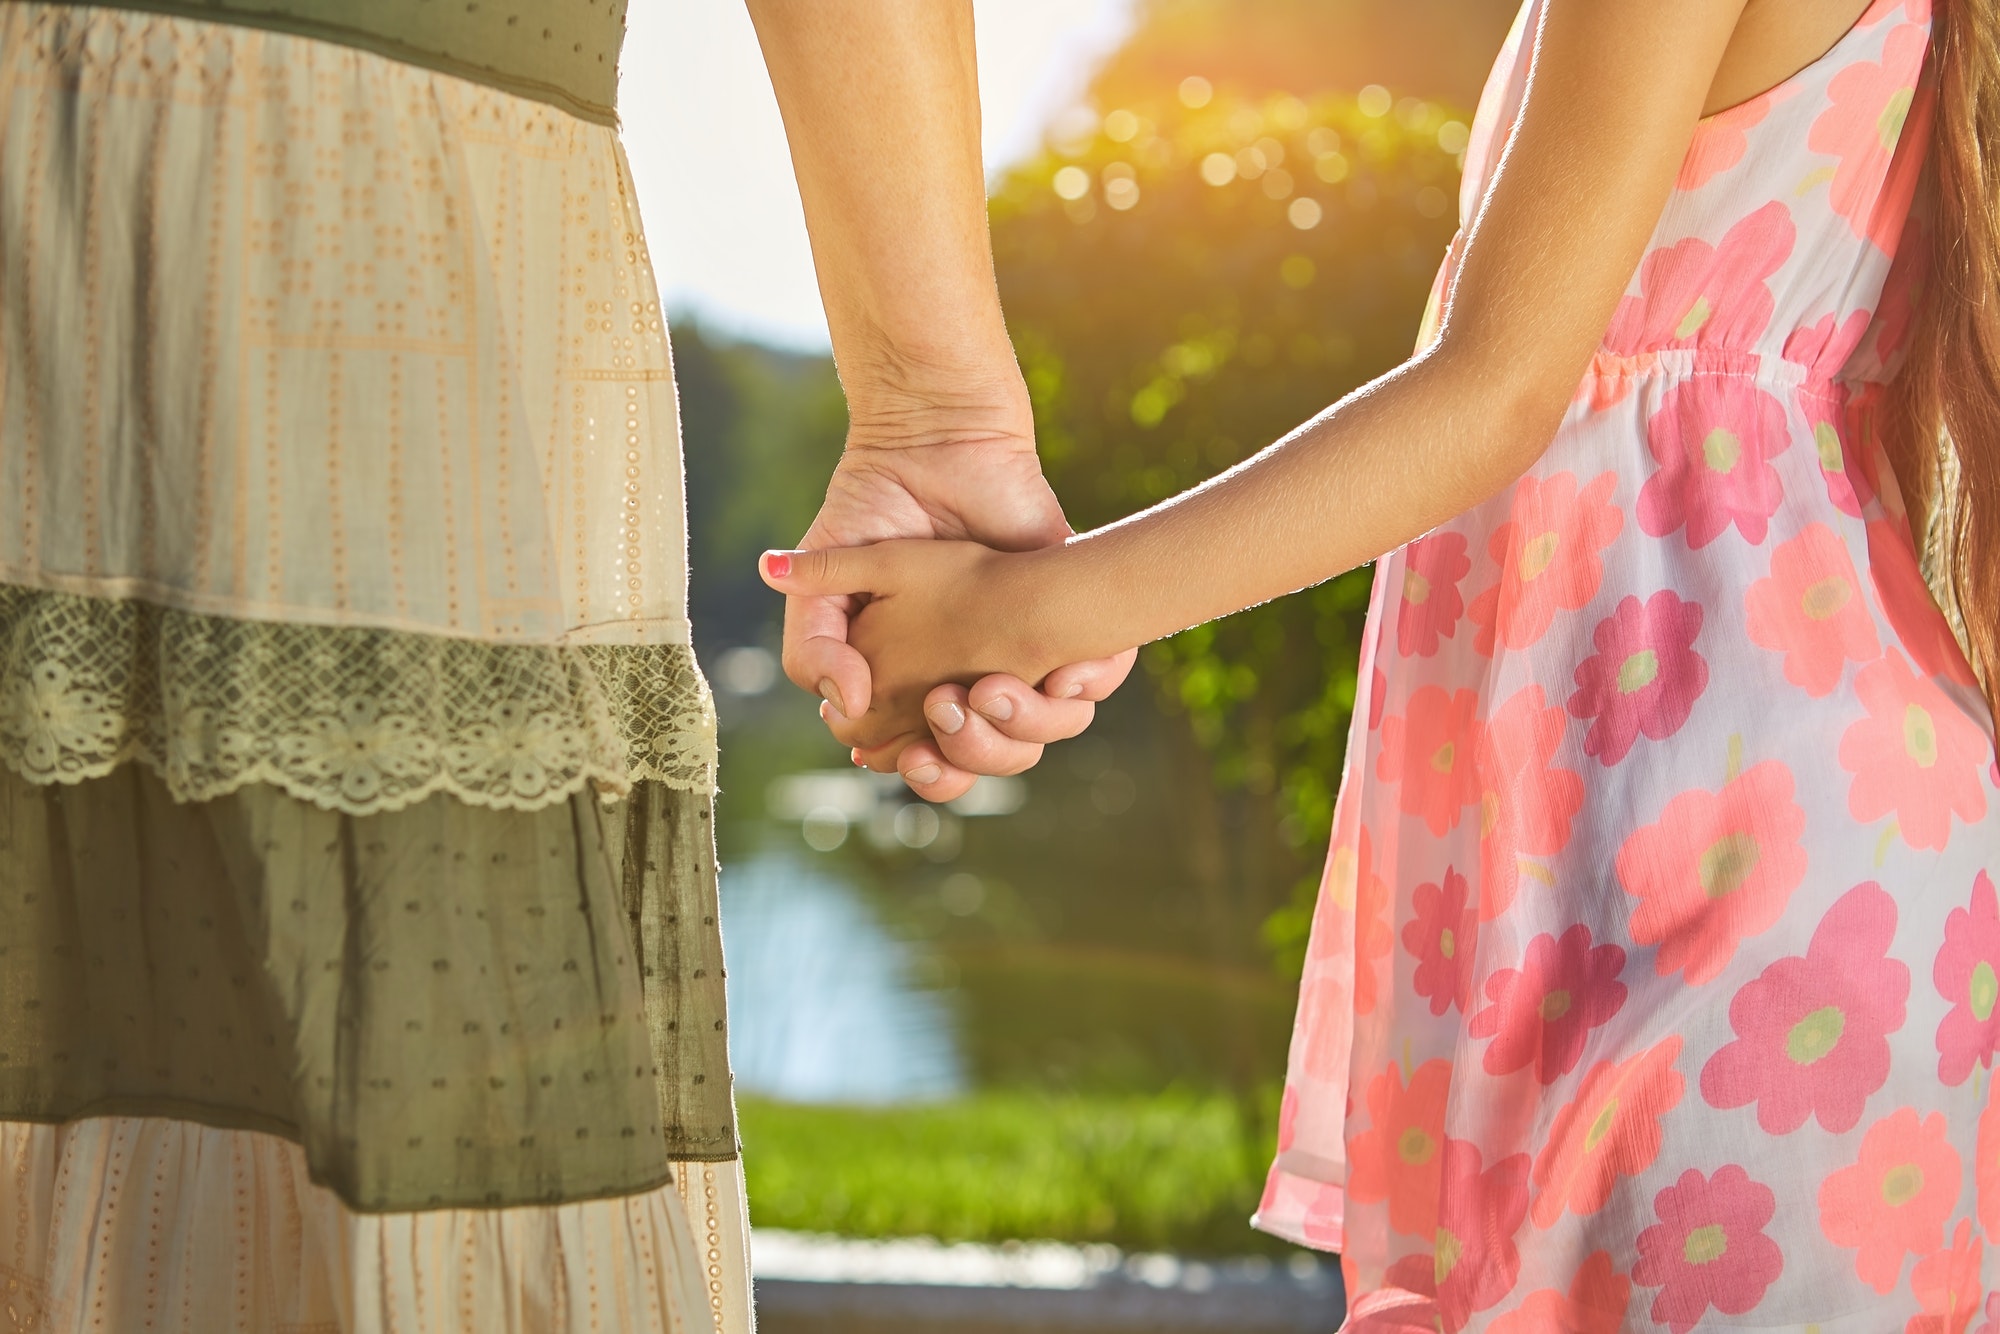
<point x="1072" y="182"/>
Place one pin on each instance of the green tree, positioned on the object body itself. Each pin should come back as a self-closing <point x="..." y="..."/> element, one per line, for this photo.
<point x="1430" y="48"/>
<point x="761" y="430"/>
<point x="1185" y="284"/>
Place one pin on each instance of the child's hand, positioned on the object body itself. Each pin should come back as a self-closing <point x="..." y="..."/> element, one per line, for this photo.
<point x="933" y="612"/>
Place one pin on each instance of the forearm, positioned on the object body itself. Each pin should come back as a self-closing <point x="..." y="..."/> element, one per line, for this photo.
<point x="1375" y="471"/>
<point x="881" y="106"/>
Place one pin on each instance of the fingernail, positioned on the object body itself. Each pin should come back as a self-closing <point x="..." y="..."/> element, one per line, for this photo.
<point x="854" y="758"/>
<point x="830" y="692"/>
<point x="1070" y="691"/>
<point x="1000" y="710"/>
<point x="946" y="717"/>
<point x="777" y="564"/>
<point x="924" y="775"/>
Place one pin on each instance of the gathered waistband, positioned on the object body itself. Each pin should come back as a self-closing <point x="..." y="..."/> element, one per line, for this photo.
<point x="1681" y="363"/>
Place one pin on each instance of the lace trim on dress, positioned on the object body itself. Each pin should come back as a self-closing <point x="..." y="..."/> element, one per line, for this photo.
<point x="352" y="719"/>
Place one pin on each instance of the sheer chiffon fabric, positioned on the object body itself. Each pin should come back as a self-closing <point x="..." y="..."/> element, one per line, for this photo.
<point x="1652" y="983"/>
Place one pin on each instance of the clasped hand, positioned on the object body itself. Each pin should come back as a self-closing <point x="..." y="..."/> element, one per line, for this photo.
<point x="904" y="679"/>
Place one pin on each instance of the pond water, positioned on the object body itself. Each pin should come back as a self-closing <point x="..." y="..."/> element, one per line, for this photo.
<point x="823" y="1005"/>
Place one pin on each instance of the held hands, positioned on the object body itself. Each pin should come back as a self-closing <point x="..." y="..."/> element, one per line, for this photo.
<point x="925" y="613"/>
<point x="933" y="471"/>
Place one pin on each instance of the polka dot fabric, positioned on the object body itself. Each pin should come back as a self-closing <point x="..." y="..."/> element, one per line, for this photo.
<point x="1655" y="979"/>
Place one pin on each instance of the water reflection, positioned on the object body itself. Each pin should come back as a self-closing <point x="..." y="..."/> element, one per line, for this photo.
<point x="822" y="1006"/>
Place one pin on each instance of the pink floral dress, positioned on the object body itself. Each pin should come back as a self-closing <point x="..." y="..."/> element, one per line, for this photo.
<point x="1653" y="983"/>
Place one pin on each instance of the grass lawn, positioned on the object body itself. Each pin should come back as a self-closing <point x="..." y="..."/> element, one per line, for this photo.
<point x="1173" y="1171"/>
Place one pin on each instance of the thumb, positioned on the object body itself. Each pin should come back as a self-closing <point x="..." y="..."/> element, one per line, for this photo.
<point x="828" y="572"/>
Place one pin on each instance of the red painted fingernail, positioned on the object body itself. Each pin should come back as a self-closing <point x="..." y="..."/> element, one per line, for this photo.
<point x="778" y="563"/>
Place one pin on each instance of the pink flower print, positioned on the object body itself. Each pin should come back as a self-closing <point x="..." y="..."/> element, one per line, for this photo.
<point x="1323" y="1039"/>
<point x="1400" y="1158"/>
<point x="1373" y="935"/>
<point x="1823" y="349"/>
<point x="1717" y="868"/>
<point x="1693" y="294"/>
<point x="1813" y="1033"/>
<point x="1916" y="756"/>
<point x="1966" y="973"/>
<point x="1611" y="378"/>
<point x="1348" y="862"/>
<point x="1896" y="309"/>
<point x="1442" y="933"/>
<point x="1894" y="1200"/>
<point x="1992" y="1322"/>
<point x="1431" y="751"/>
<point x="1378" y="697"/>
<point x="1595" y="1303"/>
<point x="1863" y="126"/>
<point x="1709" y="1247"/>
<point x="1542" y="1012"/>
<point x="1986" y="1168"/>
<point x="1907" y="603"/>
<point x="1548" y="551"/>
<point x="1645" y="676"/>
<point x="1852" y="461"/>
<point x="1415" y="1273"/>
<point x="1323" y="1223"/>
<point x="1947" y="1285"/>
<point x="1288" y="1118"/>
<point x="1475" y="1261"/>
<point x="1431" y="602"/>
<point x="1714" y="438"/>
<point x="1610" y="1130"/>
<point x="1526" y="804"/>
<point x="1810" y="609"/>
<point x="1721" y="140"/>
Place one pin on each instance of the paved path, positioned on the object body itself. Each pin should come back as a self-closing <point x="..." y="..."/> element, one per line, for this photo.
<point x="827" y="1285"/>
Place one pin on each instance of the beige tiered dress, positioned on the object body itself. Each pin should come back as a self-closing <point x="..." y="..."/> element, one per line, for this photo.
<point x="359" y="965"/>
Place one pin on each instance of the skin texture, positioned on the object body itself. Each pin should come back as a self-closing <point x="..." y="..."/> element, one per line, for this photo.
<point x="880" y="101"/>
<point x="1616" y="91"/>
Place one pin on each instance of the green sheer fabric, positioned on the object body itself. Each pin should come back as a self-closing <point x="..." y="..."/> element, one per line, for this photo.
<point x="564" y="52"/>
<point x="446" y="1006"/>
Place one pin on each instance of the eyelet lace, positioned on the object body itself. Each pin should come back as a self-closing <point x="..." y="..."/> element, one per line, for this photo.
<point x="351" y="719"/>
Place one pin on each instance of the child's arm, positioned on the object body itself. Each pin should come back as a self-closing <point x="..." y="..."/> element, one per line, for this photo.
<point x="1617" y="88"/>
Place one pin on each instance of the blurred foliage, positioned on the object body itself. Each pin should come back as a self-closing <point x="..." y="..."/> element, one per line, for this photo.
<point x="761" y="429"/>
<point x="1186" y="283"/>
<point x="1170" y="1170"/>
<point x="1155" y="1019"/>
<point x="1437" y="49"/>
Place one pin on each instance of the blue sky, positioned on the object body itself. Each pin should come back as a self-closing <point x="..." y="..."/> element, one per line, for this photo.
<point x="709" y="158"/>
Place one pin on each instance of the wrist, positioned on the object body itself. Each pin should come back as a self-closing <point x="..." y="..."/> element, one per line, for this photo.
<point x="908" y="395"/>
<point x="1031" y="596"/>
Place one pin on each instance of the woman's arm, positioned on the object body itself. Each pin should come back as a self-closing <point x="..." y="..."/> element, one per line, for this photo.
<point x="881" y="108"/>
<point x="1616" y="90"/>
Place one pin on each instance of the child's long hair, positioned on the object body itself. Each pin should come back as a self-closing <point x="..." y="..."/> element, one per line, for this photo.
<point x="1950" y="385"/>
